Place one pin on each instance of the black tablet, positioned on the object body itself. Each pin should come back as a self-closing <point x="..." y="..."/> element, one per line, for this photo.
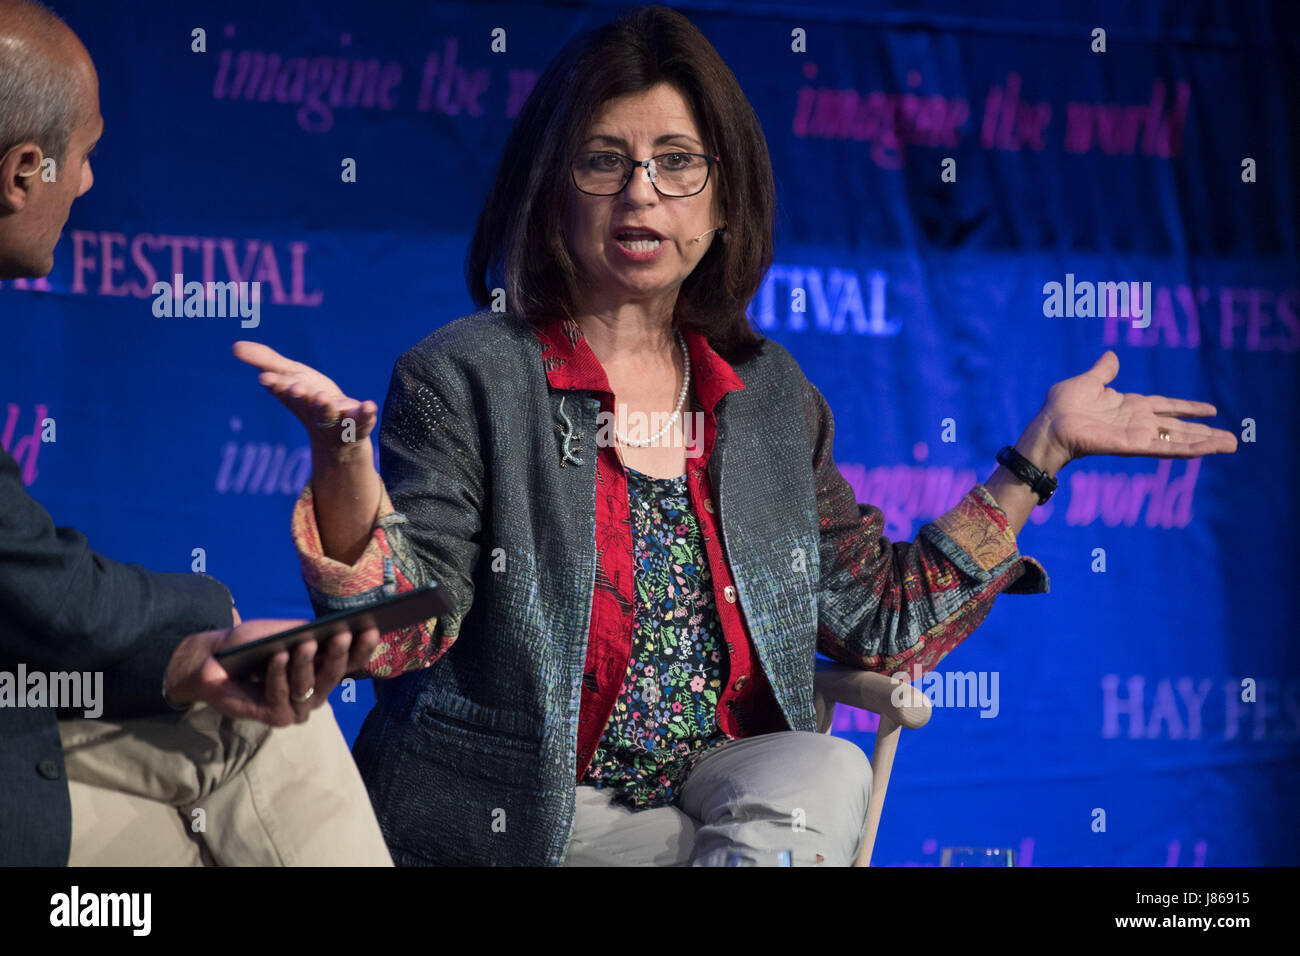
<point x="390" y="614"/>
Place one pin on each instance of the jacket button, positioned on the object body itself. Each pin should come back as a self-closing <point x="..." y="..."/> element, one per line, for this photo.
<point x="740" y="682"/>
<point x="708" y="505"/>
<point x="730" y="594"/>
<point x="48" y="769"/>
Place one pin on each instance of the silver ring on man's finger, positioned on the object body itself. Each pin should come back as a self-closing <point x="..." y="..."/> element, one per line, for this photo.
<point x="303" y="698"/>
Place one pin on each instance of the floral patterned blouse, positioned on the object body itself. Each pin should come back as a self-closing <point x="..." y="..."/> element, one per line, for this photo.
<point x="665" y="717"/>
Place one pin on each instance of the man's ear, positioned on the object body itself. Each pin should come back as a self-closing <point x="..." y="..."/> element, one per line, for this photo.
<point x="18" y="169"/>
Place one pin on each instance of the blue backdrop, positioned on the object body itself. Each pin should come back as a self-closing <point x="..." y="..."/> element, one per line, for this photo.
<point x="1147" y="713"/>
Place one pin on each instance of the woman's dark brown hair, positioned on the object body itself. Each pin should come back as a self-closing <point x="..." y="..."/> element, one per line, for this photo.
<point x="516" y="246"/>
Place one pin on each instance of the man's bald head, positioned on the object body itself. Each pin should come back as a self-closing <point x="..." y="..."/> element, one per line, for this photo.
<point x="43" y="78"/>
<point x="49" y="121"/>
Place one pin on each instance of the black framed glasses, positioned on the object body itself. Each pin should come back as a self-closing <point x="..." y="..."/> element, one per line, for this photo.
<point x="674" y="175"/>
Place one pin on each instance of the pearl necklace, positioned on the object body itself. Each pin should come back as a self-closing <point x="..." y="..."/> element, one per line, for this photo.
<point x="681" y="400"/>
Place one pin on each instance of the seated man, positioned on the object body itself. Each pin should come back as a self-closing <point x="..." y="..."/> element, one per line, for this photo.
<point x="164" y="768"/>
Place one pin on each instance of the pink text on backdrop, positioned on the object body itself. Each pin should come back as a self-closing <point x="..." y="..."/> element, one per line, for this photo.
<point x="120" y="264"/>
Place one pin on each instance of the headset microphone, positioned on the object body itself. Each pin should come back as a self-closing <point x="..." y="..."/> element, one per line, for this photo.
<point x="707" y="231"/>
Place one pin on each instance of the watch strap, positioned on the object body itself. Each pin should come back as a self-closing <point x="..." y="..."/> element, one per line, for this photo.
<point x="1038" y="480"/>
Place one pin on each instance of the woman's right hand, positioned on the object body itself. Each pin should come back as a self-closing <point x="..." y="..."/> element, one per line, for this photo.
<point x="346" y="490"/>
<point x="332" y="419"/>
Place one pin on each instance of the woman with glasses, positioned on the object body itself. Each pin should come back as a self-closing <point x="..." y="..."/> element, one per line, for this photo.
<point x="631" y="497"/>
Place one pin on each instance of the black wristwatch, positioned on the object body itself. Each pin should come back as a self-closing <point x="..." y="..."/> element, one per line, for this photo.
<point x="1038" y="480"/>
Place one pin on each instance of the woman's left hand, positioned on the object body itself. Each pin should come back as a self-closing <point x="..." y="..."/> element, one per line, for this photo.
<point x="1082" y="417"/>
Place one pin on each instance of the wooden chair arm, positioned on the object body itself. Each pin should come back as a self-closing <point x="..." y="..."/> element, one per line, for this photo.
<point x="836" y="683"/>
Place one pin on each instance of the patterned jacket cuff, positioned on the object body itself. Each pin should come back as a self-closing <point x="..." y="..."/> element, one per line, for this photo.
<point x="324" y="574"/>
<point x="976" y="536"/>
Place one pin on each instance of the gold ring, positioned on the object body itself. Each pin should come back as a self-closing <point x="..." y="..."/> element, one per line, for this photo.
<point x="305" y="697"/>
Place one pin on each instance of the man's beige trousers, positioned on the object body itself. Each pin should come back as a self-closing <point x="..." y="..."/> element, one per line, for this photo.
<point x="199" y="789"/>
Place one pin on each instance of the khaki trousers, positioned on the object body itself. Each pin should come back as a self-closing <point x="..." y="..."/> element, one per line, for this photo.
<point x="194" y="788"/>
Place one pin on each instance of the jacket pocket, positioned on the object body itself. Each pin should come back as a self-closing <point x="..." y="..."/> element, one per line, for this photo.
<point x="445" y="708"/>
<point x="454" y="791"/>
<point x="482" y="746"/>
<point x="490" y="738"/>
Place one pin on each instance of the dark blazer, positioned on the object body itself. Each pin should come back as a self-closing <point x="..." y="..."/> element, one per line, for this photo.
<point x="65" y="608"/>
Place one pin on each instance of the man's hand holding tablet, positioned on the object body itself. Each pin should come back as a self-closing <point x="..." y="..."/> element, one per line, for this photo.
<point x="294" y="682"/>
<point x="279" y="671"/>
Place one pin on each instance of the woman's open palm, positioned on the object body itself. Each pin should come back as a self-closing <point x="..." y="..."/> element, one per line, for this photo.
<point x="313" y="397"/>
<point x="1088" y="418"/>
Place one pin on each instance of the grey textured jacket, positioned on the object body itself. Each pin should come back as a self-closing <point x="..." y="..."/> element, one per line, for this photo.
<point x="470" y="757"/>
